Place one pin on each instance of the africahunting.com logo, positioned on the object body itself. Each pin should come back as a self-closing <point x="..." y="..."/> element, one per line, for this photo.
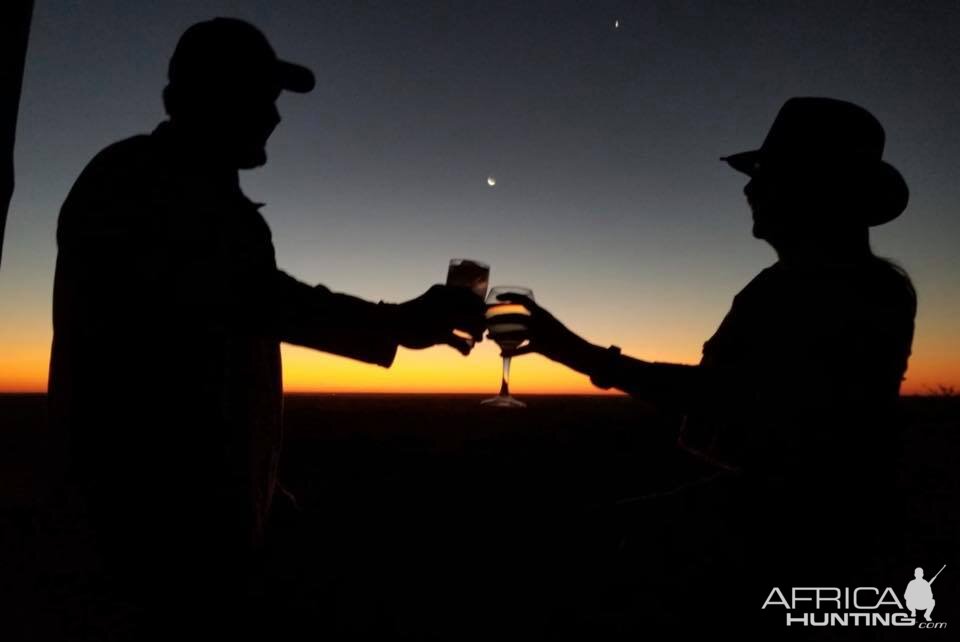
<point x="862" y="606"/>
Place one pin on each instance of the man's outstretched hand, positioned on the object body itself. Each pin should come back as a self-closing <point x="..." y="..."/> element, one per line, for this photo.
<point x="431" y="318"/>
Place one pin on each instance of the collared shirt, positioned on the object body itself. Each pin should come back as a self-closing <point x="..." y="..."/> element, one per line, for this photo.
<point x="169" y="310"/>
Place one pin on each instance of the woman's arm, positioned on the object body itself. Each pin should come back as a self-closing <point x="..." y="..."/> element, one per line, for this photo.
<point x="670" y="385"/>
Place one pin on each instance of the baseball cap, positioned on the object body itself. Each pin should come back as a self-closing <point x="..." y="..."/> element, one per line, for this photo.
<point x="227" y="50"/>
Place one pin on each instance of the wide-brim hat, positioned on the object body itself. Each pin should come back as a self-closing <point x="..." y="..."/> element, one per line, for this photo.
<point x="224" y="51"/>
<point x="824" y="138"/>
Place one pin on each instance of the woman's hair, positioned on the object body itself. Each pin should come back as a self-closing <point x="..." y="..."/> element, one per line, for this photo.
<point x="900" y="275"/>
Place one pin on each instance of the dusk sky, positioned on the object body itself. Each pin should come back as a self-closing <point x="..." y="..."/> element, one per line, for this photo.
<point x="610" y="201"/>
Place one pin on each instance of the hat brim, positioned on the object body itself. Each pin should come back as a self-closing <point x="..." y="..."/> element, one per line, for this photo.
<point x="294" y="77"/>
<point x="886" y="192"/>
<point x="891" y="195"/>
<point x="746" y="162"/>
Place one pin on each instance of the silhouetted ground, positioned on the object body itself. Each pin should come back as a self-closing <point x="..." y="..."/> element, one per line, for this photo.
<point x="430" y="517"/>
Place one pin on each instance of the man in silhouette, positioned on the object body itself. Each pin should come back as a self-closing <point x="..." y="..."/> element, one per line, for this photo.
<point x="168" y="312"/>
<point x="796" y="391"/>
<point x="919" y="595"/>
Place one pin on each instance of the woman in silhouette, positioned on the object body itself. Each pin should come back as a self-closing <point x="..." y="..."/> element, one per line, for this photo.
<point x="795" y="391"/>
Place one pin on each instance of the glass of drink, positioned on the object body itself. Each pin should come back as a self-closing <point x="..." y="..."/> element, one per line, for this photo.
<point x="474" y="275"/>
<point x="467" y="273"/>
<point x="507" y="325"/>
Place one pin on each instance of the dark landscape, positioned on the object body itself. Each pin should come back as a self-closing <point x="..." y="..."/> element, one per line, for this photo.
<point x="430" y="517"/>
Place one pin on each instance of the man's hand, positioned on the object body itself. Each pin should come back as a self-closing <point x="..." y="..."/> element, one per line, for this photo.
<point x="431" y="318"/>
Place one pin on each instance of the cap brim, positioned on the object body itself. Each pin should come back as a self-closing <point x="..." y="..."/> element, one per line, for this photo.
<point x="295" y="78"/>
<point x="746" y="162"/>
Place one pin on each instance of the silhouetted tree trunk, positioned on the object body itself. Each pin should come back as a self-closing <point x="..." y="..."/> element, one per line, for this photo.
<point x="14" y="32"/>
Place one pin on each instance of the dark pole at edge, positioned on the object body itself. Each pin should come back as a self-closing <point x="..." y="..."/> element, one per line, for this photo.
<point x="15" y="18"/>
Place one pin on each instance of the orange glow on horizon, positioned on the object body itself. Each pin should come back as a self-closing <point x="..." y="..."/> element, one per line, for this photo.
<point x="23" y="368"/>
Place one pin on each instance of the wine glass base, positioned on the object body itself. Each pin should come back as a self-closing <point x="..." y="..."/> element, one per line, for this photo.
<point x="503" y="401"/>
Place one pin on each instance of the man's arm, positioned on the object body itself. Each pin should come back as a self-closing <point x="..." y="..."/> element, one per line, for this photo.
<point x="315" y="317"/>
<point x="346" y="325"/>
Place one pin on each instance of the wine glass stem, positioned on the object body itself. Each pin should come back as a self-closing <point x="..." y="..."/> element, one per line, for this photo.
<point x="505" y="382"/>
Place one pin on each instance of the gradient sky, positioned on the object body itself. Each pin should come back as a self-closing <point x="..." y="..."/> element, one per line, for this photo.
<point x="610" y="200"/>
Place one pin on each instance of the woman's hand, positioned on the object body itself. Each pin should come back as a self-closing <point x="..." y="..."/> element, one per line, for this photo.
<point x="551" y="338"/>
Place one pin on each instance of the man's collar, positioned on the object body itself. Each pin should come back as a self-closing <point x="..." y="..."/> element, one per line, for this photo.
<point x="192" y="156"/>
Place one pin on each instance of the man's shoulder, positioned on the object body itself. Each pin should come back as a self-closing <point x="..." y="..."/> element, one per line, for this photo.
<point x="124" y="156"/>
<point x="123" y="168"/>
<point x="115" y="177"/>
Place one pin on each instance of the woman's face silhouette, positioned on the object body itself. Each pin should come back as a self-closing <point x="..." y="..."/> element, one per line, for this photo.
<point x="799" y="211"/>
<point x="782" y="207"/>
<point x="762" y="196"/>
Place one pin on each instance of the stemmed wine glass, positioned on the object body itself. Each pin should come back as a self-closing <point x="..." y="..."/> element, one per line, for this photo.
<point x="507" y="325"/>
